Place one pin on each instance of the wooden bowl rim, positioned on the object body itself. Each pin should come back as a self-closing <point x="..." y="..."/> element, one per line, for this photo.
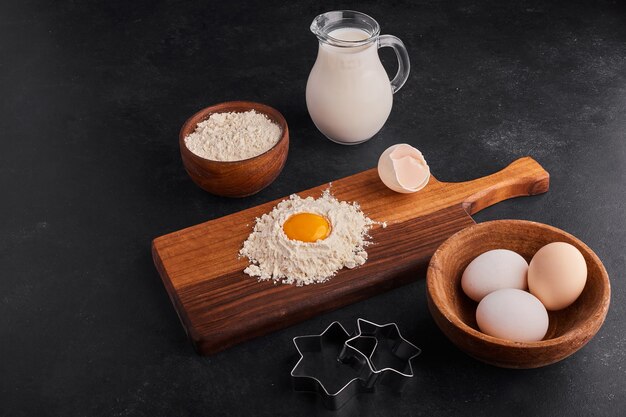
<point x="224" y="107"/>
<point x="601" y="308"/>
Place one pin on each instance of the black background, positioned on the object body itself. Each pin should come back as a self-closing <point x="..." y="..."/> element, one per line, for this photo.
<point x="92" y="97"/>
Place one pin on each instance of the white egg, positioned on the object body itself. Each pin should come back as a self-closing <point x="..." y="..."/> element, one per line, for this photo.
<point x="512" y="314"/>
<point x="403" y="169"/>
<point x="494" y="270"/>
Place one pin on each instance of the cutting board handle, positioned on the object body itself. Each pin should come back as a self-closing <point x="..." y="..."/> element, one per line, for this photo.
<point x="521" y="178"/>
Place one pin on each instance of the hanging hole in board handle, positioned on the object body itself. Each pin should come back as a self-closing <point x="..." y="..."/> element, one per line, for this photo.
<point x="404" y="66"/>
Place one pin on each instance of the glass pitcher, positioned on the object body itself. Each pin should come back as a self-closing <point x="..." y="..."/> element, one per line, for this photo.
<point x="348" y="94"/>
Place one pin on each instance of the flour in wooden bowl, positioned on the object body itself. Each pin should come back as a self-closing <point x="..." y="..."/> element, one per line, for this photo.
<point x="274" y="256"/>
<point x="233" y="136"/>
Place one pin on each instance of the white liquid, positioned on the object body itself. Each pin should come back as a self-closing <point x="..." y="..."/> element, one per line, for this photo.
<point x="348" y="93"/>
<point x="349" y="34"/>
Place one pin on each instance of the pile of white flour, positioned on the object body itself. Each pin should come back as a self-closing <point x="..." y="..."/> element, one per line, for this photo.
<point x="233" y="136"/>
<point x="274" y="256"/>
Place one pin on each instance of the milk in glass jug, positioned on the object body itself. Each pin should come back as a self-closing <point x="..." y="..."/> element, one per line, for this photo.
<point x="348" y="94"/>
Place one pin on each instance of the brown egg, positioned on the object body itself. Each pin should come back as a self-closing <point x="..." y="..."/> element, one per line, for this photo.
<point x="557" y="275"/>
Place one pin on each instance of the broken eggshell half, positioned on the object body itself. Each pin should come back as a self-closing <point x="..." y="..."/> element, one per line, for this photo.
<point x="403" y="169"/>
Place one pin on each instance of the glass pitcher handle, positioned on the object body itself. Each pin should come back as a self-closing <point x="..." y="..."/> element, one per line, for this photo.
<point x="404" y="66"/>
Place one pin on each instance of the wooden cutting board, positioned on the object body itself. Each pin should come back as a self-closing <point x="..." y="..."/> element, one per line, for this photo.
<point x="220" y="306"/>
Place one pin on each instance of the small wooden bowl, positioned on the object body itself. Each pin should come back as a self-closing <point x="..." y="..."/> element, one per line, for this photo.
<point x="235" y="178"/>
<point x="455" y="313"/>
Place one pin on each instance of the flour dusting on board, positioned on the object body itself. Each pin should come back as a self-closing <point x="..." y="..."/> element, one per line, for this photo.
<point x="274" y="256"/>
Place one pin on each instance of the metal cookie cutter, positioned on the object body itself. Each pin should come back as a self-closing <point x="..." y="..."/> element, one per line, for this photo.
<point x="351" y="365"/>
<point x="319" y="360"/>
<point x="388" y="354"/>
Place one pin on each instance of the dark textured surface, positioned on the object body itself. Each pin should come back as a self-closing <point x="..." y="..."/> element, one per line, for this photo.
<point x="93" y="95"/>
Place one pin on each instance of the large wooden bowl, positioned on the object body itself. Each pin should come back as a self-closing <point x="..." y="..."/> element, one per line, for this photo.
<point x="236" y="178"/>
<point x="455" y="313"/>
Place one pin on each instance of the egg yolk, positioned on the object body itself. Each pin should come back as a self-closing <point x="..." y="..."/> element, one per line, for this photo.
<point x="306" y="227"/>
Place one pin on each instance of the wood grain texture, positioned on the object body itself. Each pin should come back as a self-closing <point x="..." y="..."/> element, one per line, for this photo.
<point x="235" y="178"/>
<point x="455" y="313"/>
<point x="220" y="306"/>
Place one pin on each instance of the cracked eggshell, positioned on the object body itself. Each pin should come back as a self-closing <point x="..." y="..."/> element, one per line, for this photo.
<point x="403" y="169"/>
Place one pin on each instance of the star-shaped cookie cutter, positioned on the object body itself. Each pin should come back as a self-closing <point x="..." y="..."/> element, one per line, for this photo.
<point x="359" y="356"/>
<point x="394" y="370"/>
<point x="335" y="336"/>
